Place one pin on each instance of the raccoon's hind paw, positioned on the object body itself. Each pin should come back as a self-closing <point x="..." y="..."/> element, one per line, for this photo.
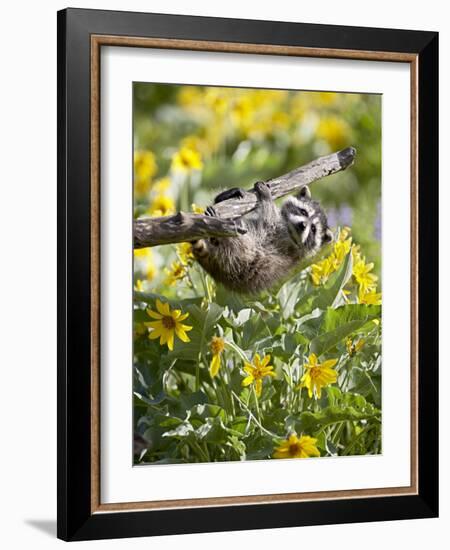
<point x="262" y="190"/>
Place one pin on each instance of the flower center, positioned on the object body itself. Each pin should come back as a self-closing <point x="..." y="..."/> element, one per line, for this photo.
<point x="294" y="448"/>
<point x="217" y="345"/>
<point x="314" y="372"/>
<point x="168" y="322"/>
<point x="258" y="373"/>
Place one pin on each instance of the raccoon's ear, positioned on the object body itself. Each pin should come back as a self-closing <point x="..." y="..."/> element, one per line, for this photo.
<point x="328" y="237"/>
<point x="304" y="193"/>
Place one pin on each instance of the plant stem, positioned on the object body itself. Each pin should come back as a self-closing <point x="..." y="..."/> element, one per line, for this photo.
<point x="197" y="373"/>
<point x="253" y="417"/>
<point x="255" y="397"/>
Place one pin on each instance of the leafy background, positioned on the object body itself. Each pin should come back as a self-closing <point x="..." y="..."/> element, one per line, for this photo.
<point x="191" y="142"/>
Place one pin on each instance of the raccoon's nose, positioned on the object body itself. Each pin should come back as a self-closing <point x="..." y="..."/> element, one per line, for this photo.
<point x="302" y="226"/>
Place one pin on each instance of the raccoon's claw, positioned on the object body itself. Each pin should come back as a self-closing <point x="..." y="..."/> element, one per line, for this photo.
<point x="262" y="190"/>
<point x="234" y="193"/>
<point x="210" y="211"/>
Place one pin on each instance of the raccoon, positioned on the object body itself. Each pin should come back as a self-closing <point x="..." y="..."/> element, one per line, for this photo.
<point x="276" y="240"/>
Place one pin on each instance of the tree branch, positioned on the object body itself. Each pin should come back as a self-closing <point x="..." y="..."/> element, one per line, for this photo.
<point x="184" y="227"/>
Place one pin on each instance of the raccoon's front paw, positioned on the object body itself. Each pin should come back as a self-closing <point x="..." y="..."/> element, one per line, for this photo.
<point x="210" y="211"/>
<point x="262" y="190"/>
<point x="234" y="193"/>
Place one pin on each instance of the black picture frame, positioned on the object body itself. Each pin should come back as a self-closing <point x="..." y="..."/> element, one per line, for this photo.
<point x="76" y="521"/>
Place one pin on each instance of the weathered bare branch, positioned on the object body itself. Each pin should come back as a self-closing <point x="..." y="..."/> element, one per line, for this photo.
<point x="189" y="227"/>
<point x="180" y="228"/>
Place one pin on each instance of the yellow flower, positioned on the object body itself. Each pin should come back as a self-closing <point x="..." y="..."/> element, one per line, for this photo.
<point x="186" y="159"/>
<point x="168" y="324"/>
<point x="297" y="447"/>
<point x="143" y="252"/>
<point x="344" y="233"/>
<point x="366" y="280"/>
<point x="370" y="298"/>
<point x="176" y="272"/>
<point x="216" y="101"/>
<point x="217" y="346"/>
<point x="356" y="253"/>
<point x="144" y="169"/>
<point x="341" y="249"/>
<point x="327" y="98"/>
<point x="334" y="130"/>
<point x="139" y="286"/>
<point x="354" y="347"/>
<point x="280" y="120"/>
<point x="146" y="262"/>
<point x="162" y="205"/>
<point x="197" y="209"/>
<point x="184" y="251"/>
<point x="189" y="95"/>
<point x="257" y="371"/>
<point x="161" y="185"/>
<point x="318" y="375"/>
<point x="242" y="113"/>
<point x="150" y="271"/>
<point x="321" y="271"/>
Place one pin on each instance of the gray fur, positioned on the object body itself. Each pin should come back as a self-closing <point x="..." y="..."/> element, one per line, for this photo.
<point x="274" y="244"/>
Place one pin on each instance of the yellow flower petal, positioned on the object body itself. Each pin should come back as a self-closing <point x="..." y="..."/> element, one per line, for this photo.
<point x="249" y="369"/>
<point x="170" y="338"/>
<point x="247" y="381"/>
<point x="329" y="363"/>
<point x="163" y="308"/>
<point x="154" y="334"/>
<point x="181" y="334"/>
<point x="214" y="365"/>
<point x="153" y="324"/>
<point x="153" y="314"/>
<point x="163" y="339"/>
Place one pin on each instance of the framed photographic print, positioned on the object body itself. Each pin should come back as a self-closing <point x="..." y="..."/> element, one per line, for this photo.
<point x="247" y="252"/>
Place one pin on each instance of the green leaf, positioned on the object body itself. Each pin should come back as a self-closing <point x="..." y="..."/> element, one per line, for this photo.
<point x="329" y="294"/>
<point x="332" y="289"/>
<point x="334" y="318"/>
<point x="339" y="323"/>
<point x="203" y="324"/>
<point x="189" y="400"/>
<point x="156" y="401"/>
<point x="180" y="432"/>
<point x="226" y="298"/>
<point x="309" y="422"/>
<point x="213" y="431"/>
<point x="288" y="296"/>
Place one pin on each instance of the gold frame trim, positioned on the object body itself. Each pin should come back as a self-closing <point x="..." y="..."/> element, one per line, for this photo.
<point x="97" y="41"/>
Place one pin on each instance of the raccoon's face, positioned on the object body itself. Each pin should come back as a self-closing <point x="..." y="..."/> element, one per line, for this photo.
<point x="306" y="223"/>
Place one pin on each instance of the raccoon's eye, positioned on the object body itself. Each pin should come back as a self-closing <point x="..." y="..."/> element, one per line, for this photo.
<point x="301" y="226"/>
<point x="303" y="212"/>
<point x="313" y="229"/>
